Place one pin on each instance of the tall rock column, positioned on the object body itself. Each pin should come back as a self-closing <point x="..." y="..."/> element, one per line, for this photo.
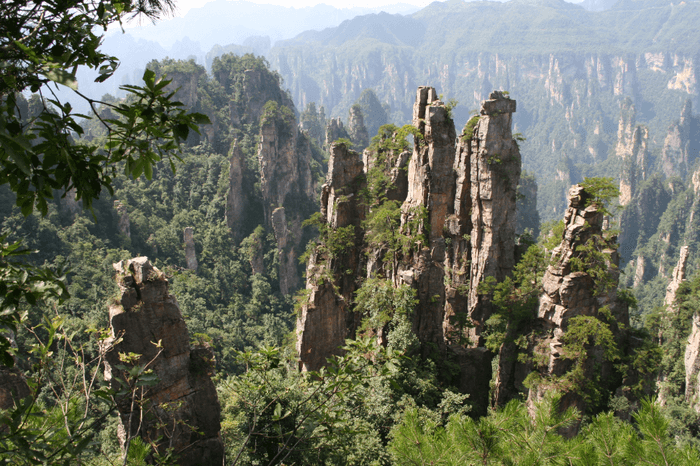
<point x="568" y="293"/>
<point x="286" y="181"/>
<point x="326" y="318"/>
<point x="430" y="201"/>
<point x="190" y="253"/>
<point x="632" y="149"/>
<point x="181" y="410"/>
<point x="495" y="173"/>
<point x="235" y="199"/>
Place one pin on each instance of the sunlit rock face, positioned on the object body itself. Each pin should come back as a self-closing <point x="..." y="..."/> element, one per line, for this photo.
<point x="180" y="408"/>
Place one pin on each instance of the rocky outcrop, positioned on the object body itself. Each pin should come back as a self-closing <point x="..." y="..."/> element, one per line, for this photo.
<point x="179" y="408"/>
<point x="235" y="199"/>
<point x="457" y="207"/>
<point x="286" y="181"/>
<point x="569" y="291"/>
<point x="495" y="172"/>
<point x="676" y="279"/>
<point x="325" y="319"/>
<point x="682" y="144"/>
<point x="123" y="223"/>
<point x="429" y="203"/>
<point x="190" y="253"/>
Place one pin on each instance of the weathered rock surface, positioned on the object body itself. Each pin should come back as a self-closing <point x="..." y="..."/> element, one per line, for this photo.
<point x="182" y="406"/>
<point x="682" y="144"/>
<point x="286" y="181"/>
<point x="190" y="253"/>
<point x="431" y="184"/>
<point x="692" y="365"/>
<point x="676" y="279"/>
<point x="335" y="130"/>
<point x="326" y="319"/>
<point x="495" y="172"/>
<point x="235" y="199"/>
<point x="568" y="293"/>
<point x="632" y="149"/>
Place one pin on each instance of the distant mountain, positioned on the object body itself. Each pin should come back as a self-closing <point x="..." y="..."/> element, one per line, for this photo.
<point x="203" y="33"/>
<point x="567" y="67"/>
<point x="231" y="22"/>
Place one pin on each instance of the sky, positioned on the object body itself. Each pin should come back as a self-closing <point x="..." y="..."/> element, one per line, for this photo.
<point x="183" y="6"/>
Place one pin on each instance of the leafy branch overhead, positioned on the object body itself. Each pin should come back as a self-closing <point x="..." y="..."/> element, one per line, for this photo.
<point x="43" y="44"/>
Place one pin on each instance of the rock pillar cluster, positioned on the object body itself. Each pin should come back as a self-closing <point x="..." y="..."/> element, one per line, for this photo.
<point x="180" y="409"/>
<point x="458" y="202"/>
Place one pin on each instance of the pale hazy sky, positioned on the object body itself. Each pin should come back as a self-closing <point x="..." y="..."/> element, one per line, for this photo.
<point x="184" y="6"/>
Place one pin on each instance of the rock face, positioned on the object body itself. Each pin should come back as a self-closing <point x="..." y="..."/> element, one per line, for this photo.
<point x="632" y="148"/>
<point x="677" y="278"/>
<point x="190" y="254"/>
<point x="123" y="223"/>
<point x="495" y="172"/>
<point x="682" y="144"/>
<point x="286" y="182"/>
<point x="235" y="200"/>
<point x="326" y="320"/>
<point x="457" y="202"/>
<point x="182" y="406"/>
<point x="568" y="292"/>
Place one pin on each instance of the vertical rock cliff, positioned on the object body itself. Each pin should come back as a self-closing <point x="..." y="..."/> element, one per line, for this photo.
<point x="326" y="319"/>
<point x="566" y="349"/>
<point x="180" y="409"/>
<point x="123" y="223"/>
<point x="235" y="199"/>
<point x="495" y="172"/>
<point x="632" y="149"/>
<point x="682" y="144"/>
<point x="284" y="155"/>
<point x="190" y="253"/>
<point x="356" y="129"/>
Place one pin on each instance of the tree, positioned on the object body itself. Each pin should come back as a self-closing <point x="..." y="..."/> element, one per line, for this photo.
<point x="43" y="43"/>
